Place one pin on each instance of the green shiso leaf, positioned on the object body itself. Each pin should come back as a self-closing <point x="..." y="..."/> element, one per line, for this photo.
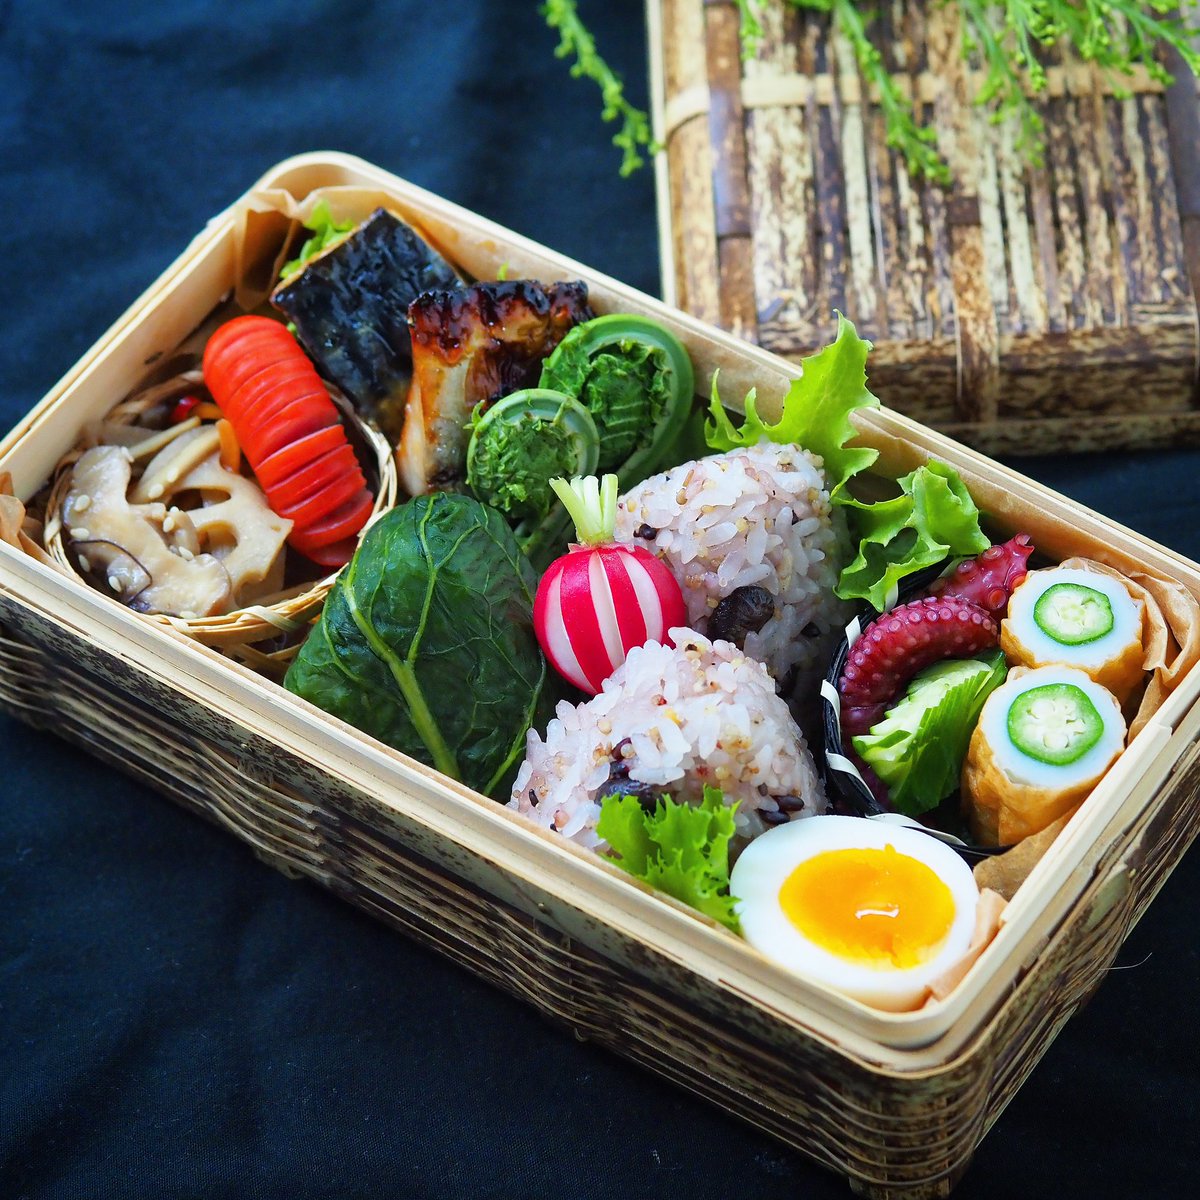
<point x="681" y="849"/>
<point x="325" y="231"/>
<point x="816" y="411"/>
<point x="918" y="749"/>
<point x="933" y="518"/>
<point x="412" y="648"/>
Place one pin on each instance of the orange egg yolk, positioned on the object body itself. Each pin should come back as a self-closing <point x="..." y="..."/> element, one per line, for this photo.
<point x="876" y="908"/>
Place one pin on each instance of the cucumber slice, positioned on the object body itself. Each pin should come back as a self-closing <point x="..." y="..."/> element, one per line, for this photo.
<point x="917" y="750"/>
<point x="1073" y="614"/>
<point x="1056" y="724"/>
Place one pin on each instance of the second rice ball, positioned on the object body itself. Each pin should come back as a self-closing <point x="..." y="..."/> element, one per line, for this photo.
<point x="752" y="539"/>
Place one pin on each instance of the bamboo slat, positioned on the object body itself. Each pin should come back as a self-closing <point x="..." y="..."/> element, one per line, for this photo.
<point x="1023" y="293"/>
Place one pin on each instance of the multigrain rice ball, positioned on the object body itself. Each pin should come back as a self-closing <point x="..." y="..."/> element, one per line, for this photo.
<point x="670" y="720"/>
<point x="751" y="537"/>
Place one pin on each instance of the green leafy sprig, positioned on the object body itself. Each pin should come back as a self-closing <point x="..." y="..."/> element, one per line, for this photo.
<point x="576" y="41"/>
<point x="916" y="142"/>
<point x="1007" y="38"/>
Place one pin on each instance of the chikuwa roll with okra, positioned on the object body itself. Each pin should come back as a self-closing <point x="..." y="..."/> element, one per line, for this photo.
<point x="1081" y="619"/>
<point x="1045" y="738"/>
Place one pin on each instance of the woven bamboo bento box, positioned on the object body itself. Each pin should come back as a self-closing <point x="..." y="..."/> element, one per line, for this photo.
<point x="896" y="1102"/>
<point x="1023" y="309"/>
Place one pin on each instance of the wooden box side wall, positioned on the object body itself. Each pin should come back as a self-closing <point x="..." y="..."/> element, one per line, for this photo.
<point x="1021" y="310"/>
<point x="892" y="1133"/>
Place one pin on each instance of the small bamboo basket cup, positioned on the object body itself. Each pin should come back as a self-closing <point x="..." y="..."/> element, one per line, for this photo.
<point x="257" y="634"/>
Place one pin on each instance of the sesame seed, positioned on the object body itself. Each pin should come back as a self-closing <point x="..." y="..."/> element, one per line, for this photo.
<point x="82" y="503"/>
<point x="168" y="524"/>
<point x="114" y="583"/>
<point x="186" y="554"/>
<point x="80" y="534"/>
<point x="84" y="564"/>
<point x="156" y="491"/>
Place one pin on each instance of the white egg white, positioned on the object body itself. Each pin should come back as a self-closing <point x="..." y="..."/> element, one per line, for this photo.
<point x="765" y="864"/>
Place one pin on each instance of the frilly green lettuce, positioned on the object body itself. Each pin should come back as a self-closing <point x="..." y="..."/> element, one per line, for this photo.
<point x="681" y="849"/>
<point x="933" y="518"/>
<point x="325" y="231"/>
<point x="816" y="410"/>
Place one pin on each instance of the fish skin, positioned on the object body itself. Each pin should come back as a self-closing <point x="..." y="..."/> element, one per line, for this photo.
<point x="350" y="303"/>
<point x="469" y="345"/>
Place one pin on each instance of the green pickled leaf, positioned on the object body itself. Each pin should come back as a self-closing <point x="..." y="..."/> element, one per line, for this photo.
<point x="933" y="518"/>
<point x="918" y="749"/>
<point x="816" y="410"/>
<point x="681" y="849"/>
<point x="426" y="642"/>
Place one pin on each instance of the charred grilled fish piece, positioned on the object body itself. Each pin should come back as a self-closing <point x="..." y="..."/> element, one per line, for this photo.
<point x="350" y="308"/>
<point x="475" y="344"/>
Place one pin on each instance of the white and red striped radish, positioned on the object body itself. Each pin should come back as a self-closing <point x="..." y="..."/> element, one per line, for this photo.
<point x="602" y="598"/>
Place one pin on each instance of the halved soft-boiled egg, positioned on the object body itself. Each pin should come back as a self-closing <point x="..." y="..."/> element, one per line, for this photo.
<point x="869" y="908"/>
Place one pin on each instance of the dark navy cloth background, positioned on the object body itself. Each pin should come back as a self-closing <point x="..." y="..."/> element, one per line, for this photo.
<point x="178" y="1020"/>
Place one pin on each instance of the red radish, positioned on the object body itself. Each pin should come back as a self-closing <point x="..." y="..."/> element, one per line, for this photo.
<point x="602" y="598"/>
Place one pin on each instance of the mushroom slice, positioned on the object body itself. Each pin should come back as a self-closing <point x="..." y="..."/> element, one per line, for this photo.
<point x="96" y="510"/>
<point x="237" y="527"/>
<point x="112" y="566"/>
